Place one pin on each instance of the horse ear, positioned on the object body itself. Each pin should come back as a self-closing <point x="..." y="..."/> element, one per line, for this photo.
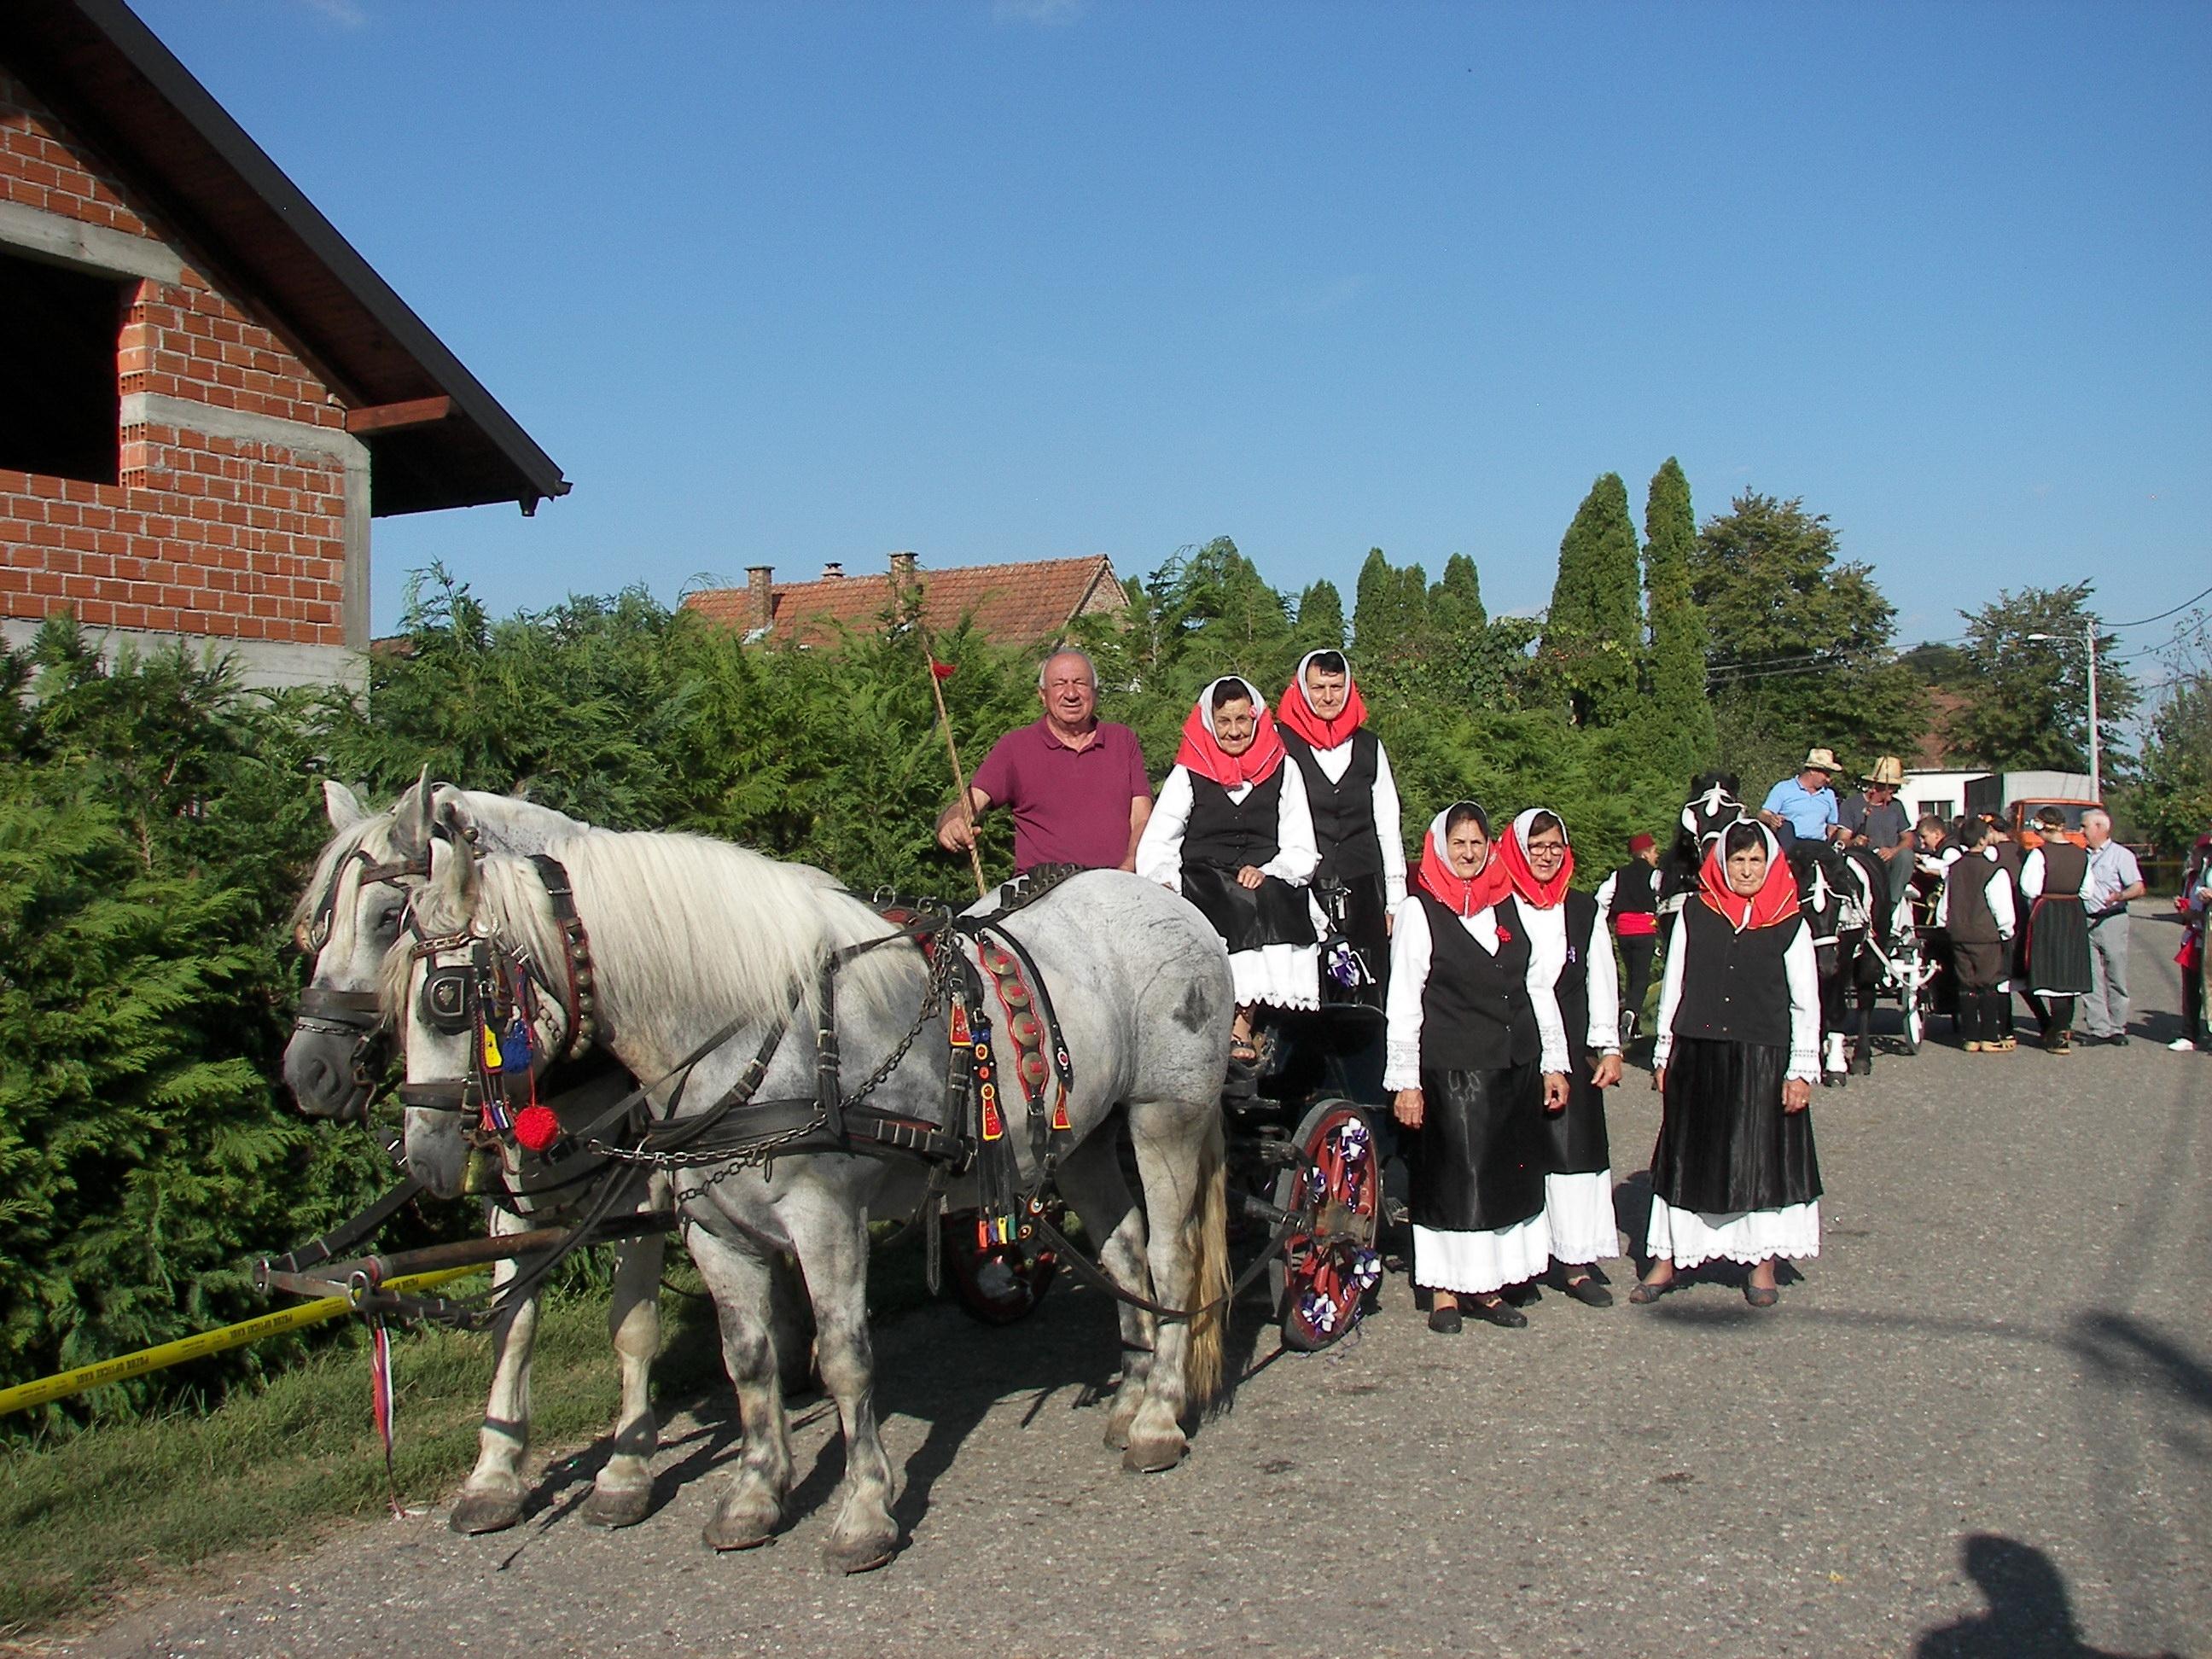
<point x="451" y="813"/>
<point x="343" y="807"/>
<point x="452" y="874"/>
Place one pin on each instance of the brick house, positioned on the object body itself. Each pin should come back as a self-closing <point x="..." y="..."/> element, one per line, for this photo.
<point x="207" y="393"/>
<point x="1014" y="604"/>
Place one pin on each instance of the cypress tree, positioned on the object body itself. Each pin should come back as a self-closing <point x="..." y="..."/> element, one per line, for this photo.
<point x="1456" y="602"/>
<point x="1320" y="619"/>
<point x="1681" y="712"/>
<point x="1595" y="626"/>
<point x="1374" y="604"/>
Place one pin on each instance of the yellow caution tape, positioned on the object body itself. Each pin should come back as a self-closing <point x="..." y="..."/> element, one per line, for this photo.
<point x="24" y="1396"/>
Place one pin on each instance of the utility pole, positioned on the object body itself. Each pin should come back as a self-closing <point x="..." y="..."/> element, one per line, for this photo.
<point x="2096" y="746"/>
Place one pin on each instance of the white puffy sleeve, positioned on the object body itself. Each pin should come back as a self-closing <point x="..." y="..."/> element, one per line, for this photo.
<point x="2000" y="893"/>
<point x="2031" y="873"/>
<point x="1943" y="904"/>
<point x="1802" y="966"/>
<point x="1297" y="854"/>
<point x="1670" y="998"/>
<point x="1604" y="989"/>
<point x="1402" y="1013"/>
<point x="1606" y="890"/>
<point x="1159" y="849"/>
<point x="1389" y="829"/>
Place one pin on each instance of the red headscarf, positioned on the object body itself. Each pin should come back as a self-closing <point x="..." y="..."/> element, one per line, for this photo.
<point x="1445" y="885"/>
<point x="1297" y="713"/>
<point x="1513" y="853"/>
<point x="1775" y="900"/>
<point x="1201" y="751"/>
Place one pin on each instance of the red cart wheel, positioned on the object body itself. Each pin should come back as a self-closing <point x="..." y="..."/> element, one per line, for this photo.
<point x="999" y="1285"/>
<point x="1321" y="1279"/>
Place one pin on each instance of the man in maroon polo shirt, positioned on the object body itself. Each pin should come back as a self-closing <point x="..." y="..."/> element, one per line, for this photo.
<point x="1075" y="783"/>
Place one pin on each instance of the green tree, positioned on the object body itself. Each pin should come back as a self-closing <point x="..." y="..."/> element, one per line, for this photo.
<point x="2027" y="699"/>
<point x="1320" y="619"/>
<point x="1679" y="713"/>
<point x="1594" y="629"/>
<point x="2169" y="804"/>
<point x="1800" y="643"/>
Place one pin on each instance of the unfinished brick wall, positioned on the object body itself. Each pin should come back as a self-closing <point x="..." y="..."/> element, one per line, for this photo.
<point x="201" y="534"/>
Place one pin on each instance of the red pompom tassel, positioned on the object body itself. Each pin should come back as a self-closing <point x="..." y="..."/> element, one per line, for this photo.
<point x="536" y="1128"/>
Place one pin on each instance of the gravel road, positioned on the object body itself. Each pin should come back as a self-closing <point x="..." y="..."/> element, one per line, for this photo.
<point x="1981" y="1424"/>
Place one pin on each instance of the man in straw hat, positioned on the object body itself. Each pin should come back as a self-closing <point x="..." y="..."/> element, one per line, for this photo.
<point x="1875" y="819"/>
<point x="1804" y="806"/>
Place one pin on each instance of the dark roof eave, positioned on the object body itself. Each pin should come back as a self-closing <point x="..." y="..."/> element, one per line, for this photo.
<point x="107" y="76"/>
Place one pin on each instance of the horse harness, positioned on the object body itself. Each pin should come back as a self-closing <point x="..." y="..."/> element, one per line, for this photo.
<point x="356" y="1014"/>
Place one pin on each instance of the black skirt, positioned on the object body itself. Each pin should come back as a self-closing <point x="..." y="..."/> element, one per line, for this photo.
<point x="1274" y="913"/>
<point x="1480" y="1164"/>
<point x="1725" y="1144"/>
<point x="2059" y="947"/>
<point x="1575" y="1140"/>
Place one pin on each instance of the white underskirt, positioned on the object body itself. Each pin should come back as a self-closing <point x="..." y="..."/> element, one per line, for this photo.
<point x="1687" y="1237"/>
<point x="1578" y="1210"/>
<point x="1280" y="976"/>
<point x="1475" y="1264"/>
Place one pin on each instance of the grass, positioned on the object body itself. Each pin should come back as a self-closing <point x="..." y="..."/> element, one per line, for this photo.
<point x="83" y="1513"/>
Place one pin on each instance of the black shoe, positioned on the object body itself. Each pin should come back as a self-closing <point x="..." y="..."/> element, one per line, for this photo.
<point x="1522" y="1296"/>
<point x="1761" y="1296"/>
<point x="2118" y="1040"/>
<point x="1500" y="1312"/>
<point x="1588" y="1292"/>
<point x="1646" y="1293"/>
<point x="1444" y="1321"/>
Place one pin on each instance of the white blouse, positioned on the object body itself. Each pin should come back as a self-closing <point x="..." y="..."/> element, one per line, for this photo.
<point x="1802" y="967"/>
<point x="1547" y="944"/>
<point x="1159" y="849"/>
<point x="1410" y="949"/>
<point x="1389" y="825"/>
<point x="1997" y="886"/>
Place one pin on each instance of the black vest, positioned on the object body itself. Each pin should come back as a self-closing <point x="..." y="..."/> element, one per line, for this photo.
<point x="1476" y="1014"/>
<point x="1343" y="812"/>
<point x="2065" y="867"/>
<point x="1573" y="987"/>
<point x="1636" y="889"/>
<point x="1221" y="831"/>
<point x="1967" y="885"/>
<point x="1735" y="987"/>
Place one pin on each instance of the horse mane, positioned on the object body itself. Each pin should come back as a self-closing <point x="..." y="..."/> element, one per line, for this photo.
<point x="676" y="921"/>
<point x="340" y="846"/>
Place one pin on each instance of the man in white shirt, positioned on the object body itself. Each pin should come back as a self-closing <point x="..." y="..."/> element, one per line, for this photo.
<point x="2114" y="879"/>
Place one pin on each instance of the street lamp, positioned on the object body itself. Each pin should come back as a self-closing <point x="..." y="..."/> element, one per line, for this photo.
<point x="2096" y="745"/>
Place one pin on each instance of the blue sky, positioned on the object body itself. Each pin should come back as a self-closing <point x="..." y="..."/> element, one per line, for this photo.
<point x="788" y="283"/>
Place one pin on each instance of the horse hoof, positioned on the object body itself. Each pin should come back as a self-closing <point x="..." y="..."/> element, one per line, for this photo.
<point x="1117" y="1430"/>
<point x="480" y="1512"/>
<point x="1153" y="1456"/>
<point x="617" y="1509"/>
<point x="861" y="1555"/>
<point x="745" y="1529"/>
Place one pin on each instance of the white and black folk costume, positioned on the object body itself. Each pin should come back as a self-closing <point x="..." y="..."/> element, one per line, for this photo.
<point x="1976" y="909"/>
<point x="2051" y="880"/>
<point x="1353" y="801"/>
<point x="1628" y="902"/>
<point x="1734" y="1176"/>
<point x="1571" y="953"/>
<point x="1218" y="813"/>
<point x="1470" y="1025"/>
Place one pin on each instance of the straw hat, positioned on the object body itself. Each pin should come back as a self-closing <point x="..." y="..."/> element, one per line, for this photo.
<point x="1888" y="769"/>
<point x="1821" y="760"/>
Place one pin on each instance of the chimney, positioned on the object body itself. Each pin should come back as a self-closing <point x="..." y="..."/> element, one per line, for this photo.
<point x="903" y="566"/>
<point x="760" y="596"/>
<point x="833" y="571"/>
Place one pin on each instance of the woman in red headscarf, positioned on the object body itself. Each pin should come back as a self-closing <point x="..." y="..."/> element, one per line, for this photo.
<point x="1231" y="832"/>
<point x="1568" y="941"/>
<point x="1475" y="1055"/>
<point x="1354" y="800"/>
<point x="1734" y="1175"/>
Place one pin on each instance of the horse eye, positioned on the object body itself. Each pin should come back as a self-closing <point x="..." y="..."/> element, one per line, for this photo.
<point x="387" y="921"/>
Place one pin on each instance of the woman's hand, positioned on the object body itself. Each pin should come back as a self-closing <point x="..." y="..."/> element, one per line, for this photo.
<point x="1796" y="1095"/>
<point x="1555" y="1092"/>
<point x="1605" y="1070"/>
<point x="1408" y="1108"/>
<point x="1659" y="1080"/>
<point x="1249" y="877"/>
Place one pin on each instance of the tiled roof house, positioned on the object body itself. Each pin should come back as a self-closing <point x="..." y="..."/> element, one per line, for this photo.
<point x="1013" y="605"/>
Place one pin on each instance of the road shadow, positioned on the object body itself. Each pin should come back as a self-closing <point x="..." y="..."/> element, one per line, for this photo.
<point x="2126" y="1353"/>
<point x="2031" y="1616"/>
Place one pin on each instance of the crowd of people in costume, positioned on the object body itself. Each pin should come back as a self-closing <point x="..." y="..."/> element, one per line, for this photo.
<point x="1500" y="982"/>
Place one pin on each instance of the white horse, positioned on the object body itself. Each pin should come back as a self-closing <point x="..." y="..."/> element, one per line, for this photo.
<point x="687" y="934"/>
<point x="348" y="919"/>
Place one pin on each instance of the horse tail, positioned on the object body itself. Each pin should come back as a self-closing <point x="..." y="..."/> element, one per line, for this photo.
<point x="1206" y="1236"/>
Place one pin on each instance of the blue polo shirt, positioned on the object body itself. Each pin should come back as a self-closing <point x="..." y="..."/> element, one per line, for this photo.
<point x="1810" y="811"/>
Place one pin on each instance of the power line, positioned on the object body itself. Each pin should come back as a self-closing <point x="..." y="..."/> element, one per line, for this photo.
<point x="2163" y="615"/>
